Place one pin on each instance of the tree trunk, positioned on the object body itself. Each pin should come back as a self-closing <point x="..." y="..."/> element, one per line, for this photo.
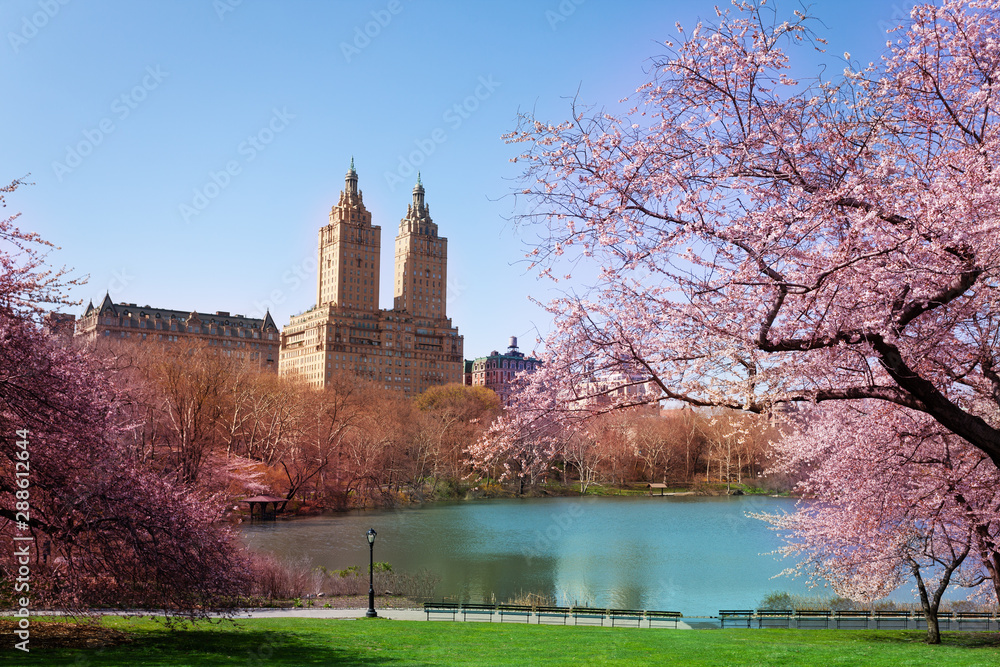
<point x="931" y="603"/>
<point x="930" y="609"/>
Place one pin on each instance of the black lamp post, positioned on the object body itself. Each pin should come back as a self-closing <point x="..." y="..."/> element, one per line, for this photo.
<point x="371" y="573"/>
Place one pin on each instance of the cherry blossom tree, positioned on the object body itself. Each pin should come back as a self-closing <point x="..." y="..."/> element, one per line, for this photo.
<point x="26" y="282"/>
<point x="107" y="530"/>
<point x="894" y="495"/>
<point x="763" y="239"/>
<point x="523" y="443"/>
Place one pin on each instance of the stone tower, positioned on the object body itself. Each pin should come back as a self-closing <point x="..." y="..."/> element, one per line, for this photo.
<point x="349" y="247"/>
<point x="406" y="349"/>
<point x="421" y="264"/>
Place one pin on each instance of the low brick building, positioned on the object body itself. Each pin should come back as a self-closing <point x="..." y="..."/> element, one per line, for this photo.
<point x="498" y="371"/>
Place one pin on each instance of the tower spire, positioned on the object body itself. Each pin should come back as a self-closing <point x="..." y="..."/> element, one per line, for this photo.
<point x="351" y="180"/>
<point x="418" y="197"/>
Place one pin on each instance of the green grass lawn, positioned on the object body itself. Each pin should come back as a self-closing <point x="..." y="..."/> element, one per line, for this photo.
<point x="296" y="641"/>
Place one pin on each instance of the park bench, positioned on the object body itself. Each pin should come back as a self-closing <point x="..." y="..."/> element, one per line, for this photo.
<point x="852" y="618"/>
<point x="738" y="617"/>
<point x="625" y="615"/>
<point x="974" y="620"/>
<point x="774" y="618"/>
<point x="441" y="608"/>
<point x="892" y="619"/>
<point x="551" y="612"/>
<point x="588" y="614"/>
<point x="945" y="619"/>
<point x="480" y="609"/>
<point x="812" y="618"/>
<point x="672" y="617"/>
<point x="514" y="610"/>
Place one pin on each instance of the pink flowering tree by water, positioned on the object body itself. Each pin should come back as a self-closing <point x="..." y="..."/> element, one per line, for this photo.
<point x="522" y="445"/>
<point x="893" y="497"/>
<point x="757" y="238"/>
<point x="107" y="531"/>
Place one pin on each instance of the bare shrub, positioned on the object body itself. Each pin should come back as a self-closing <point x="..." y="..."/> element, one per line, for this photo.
<point x="275" y="579"/>
<point x="532" y="599"/>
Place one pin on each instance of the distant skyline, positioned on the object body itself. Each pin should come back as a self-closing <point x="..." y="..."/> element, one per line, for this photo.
<point x="185" y="154"/>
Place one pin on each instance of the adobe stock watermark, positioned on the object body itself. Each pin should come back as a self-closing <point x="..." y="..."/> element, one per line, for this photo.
<point x="31" y="25"/>
<point x="562" y="12"/>
<point x="24" y="540"/>
<point x="454" y="116"/>
<point x="121" y="108"/>
<point x="899" y="17"/>
<point x="292" y="279"/>
<point x="119" y="281"/>
<point x="223" y="7"/>
<point x="561" y="523"/>
<point x="363" y="35"/>
<point x="666" y="591"/>
<point x="248" y="150"/>
<point x="261" y="656"/>
<point x="454" y="289"/>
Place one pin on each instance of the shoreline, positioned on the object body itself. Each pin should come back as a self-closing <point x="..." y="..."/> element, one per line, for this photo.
<point x="597" y="491"/>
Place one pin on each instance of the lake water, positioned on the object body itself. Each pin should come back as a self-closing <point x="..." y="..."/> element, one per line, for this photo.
<point x="690" y="554"/>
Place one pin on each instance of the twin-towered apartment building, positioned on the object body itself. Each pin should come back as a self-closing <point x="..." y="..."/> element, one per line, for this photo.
<point x="406" y="348"/>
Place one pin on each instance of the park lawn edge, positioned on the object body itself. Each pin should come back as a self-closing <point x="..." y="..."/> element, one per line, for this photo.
<point x="306" y="641"/>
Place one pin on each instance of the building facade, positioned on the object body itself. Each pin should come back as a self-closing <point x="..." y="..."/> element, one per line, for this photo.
<point x="407" y="348"/>
<point x="62" y="325"/>
<point x="498" y="371"/>
<point x="249" y="339"/>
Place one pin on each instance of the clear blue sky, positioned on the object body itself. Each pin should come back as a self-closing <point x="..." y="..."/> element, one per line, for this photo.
<point x="158" y="96"/>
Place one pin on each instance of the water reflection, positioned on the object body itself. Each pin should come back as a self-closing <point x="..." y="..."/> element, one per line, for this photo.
<point x="695" y="555"/>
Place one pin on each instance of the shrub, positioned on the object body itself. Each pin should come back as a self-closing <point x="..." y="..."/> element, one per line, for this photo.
<point x="274" y="579"/>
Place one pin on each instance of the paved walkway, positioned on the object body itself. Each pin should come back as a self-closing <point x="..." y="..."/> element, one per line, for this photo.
<point x="419" y="615"/>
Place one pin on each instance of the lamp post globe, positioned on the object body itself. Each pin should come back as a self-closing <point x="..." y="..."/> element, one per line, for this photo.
<point x="371" y="573"/>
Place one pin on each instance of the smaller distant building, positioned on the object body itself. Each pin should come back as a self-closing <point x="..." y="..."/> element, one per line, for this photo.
<point x="498" y="371"/>
<point x="249" y="339"/>
<point x="617" y="387"/>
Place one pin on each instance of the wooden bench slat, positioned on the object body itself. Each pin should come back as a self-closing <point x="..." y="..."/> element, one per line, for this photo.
<point x="742" y="615"/>
<point x="852" y="616"/>
<point x="478" y="608"/>
<point x="514" y="610"/>
<point x="626" y="614"/>
<point x="665" y="616"/>
<point x="589" y="612"/>
<point x="812" y="618"/>
<point x="544" y="611"/>
<point x="441" y="608"/>
<point x="771" y="617"/>
<point x="892" y="618"/>
<point x="980" y="619"/>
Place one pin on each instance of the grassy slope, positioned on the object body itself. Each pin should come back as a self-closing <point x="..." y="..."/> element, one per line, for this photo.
<point x="296" y="641"/>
